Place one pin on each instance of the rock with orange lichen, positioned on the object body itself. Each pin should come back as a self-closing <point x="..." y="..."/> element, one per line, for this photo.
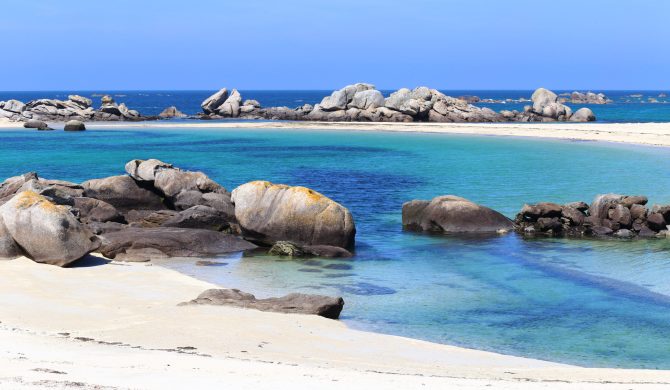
<point x="269" y="212"/>
<point x="45" y="232"/>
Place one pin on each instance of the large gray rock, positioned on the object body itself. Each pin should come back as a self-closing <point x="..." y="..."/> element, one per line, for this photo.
<point x="339" y="99"/>
<point x="36" y="124"/>
<point x="212" y="103"/>
<point x="122" y="192"/>
<point x="367" y="99"/>
<point x="14" y="106"/>
<point x="231" y="106"/>
<point x="324" y="306"/>
<point x="270" y="212"/>
<point x="141" y="244"/>
<point x="173" y="181"/>
<point x="145" y="170"/>
<point x="452" y="214"/>
<point x="541" y="98"/>
<point x="47" y="233"/>
<point x="74" y="125"/>
<point x="584" y="114"/>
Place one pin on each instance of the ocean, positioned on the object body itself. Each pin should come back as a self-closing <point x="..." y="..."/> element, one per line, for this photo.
<point x="601" y="303"/>
<point x="627" y="106"/>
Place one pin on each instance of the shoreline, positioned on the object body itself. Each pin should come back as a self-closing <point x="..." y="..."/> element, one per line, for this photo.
<point x="127" y="312"/>
<point x="647" y="134"/>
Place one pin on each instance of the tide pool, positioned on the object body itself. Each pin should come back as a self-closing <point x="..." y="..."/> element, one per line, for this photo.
<point x="586" y="302"/>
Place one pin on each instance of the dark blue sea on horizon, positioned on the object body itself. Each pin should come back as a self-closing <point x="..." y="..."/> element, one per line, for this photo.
<point x="627" y="106"/>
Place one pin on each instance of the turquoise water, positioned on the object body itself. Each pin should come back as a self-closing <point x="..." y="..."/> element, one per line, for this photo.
<point x="593" y="303"/>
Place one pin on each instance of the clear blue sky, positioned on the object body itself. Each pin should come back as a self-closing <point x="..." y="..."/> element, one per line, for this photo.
<point x="313" y="44"/>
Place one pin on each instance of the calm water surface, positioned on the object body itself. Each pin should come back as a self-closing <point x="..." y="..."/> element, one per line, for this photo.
<point x="595" y="303"/>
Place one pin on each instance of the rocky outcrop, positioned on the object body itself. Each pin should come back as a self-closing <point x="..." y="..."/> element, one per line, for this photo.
<point x="608" y="215"/>
<point x="123" y="192"/>
<point x="269" y="212"/>
<point x="76" y="107"/>
<point x="452" y="214"/>
<point x="171" y="112"/>
<point x="320" y="305"/>
<point x="143" y="244"/>
<point x="361" y="102"/>
<point x="547" y="108"/>
<point x="45" y="232"/>
<point x="585" y="98"/>
<point x="160" y="211"/>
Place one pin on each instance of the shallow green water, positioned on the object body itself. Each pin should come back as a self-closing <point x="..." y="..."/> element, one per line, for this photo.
<point x="595" y="303"/>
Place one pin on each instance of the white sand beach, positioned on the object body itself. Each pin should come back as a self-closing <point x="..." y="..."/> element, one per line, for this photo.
<point x="652" y="134"/>
<point x="117" y="325"/>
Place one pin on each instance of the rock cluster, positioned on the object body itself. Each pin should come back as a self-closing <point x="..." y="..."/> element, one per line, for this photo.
<point x="452" y="214"/>
<point x="585" y="98"/>
<point x="608" y="215"/>
<point x="614" y="215"/>
<point x="547" y="108"/>
<point x="171" y="112"/>
<point x="74" y="108"/>
<point x="361" y="102"/>
<point x="157" y="211"/>
<point x="324" y="306"/>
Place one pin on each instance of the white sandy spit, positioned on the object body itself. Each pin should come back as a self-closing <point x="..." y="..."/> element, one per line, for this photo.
<point x="656" y="134"/>
<point x="117" y="325"/>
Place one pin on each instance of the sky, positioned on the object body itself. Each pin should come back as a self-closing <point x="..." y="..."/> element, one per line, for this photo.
<point x="312" y="44"/>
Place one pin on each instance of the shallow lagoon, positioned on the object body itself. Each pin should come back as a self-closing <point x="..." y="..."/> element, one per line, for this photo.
<point x="595" y="303"/>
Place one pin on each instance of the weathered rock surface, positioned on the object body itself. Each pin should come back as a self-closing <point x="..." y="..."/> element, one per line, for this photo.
<point x="452" y="214"/>
<point x="270" y="212"/>
<point x="142" y="244"/>
<point x="45" y="232"/>
<point x="122" y="192"/>
<point x="324" y="306"/>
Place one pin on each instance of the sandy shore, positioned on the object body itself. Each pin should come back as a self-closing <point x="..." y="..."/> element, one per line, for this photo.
<point x="118" y="325"/>
<point x="656" y="134"/>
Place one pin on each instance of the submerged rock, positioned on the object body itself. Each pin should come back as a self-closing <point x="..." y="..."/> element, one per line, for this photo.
<point x="270" y="212"/>
<point x="452" y="214"/>
<point x="324" y="306"/>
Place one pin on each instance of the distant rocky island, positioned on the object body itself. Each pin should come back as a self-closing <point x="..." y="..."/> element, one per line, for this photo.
<point x="363" y="103"/>
<point x="359" y="102"/>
